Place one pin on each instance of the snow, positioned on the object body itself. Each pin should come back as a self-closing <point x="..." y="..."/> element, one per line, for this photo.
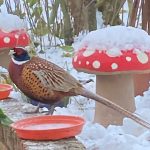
<point x="99" y="19"/>
<point x="3" y="70"/>
<point x="9" y="22"/>
<point x="114" y="39"/>
<point x="129" y="136"/>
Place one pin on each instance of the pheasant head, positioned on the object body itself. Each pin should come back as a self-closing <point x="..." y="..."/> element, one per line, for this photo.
<point x="19" y="55"/>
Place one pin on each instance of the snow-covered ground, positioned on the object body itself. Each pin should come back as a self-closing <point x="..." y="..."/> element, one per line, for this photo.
<point x="129" y="136"/>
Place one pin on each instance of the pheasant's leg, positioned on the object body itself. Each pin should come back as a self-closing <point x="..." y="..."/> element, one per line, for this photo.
<point x="37" y="108"/>
<point x="31" y="106"/>
<point x="52" y="108"/>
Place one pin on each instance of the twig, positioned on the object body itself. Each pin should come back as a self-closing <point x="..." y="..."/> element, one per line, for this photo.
<point x="90" y="3"/>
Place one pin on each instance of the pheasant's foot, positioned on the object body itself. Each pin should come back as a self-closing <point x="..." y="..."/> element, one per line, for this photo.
<point x="52" y="108"/>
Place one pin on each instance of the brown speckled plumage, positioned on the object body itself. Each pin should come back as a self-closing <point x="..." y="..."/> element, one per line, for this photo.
<point x="46" y="82"/>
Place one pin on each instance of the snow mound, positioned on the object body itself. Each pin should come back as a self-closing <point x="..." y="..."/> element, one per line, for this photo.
<point x="115" y="39"/>
<point x="3" y="70"/>
<point x="9" y="22"/>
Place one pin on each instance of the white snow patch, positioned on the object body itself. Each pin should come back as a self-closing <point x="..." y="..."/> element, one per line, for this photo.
<point x="15" y="95"/>
<point x="114" y="39"/>
<point x="131" y="127"/>
<point x="28" y="108"/>
<point x="9" y="22"/>
<point x="90" y="133"/>
<point x="3" y="70"/>
<point x="99" y="18"/>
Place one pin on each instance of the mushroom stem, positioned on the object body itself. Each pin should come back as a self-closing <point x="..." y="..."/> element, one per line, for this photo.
<point x="120" y="90"/>
<point x="4" y="58"/>
<point x="141" y="83"/>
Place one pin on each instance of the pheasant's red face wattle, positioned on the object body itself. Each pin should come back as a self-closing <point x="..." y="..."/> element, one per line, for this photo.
<point x="18" y="51"/>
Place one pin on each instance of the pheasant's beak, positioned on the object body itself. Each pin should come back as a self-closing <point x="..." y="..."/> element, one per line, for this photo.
<point x="11" y="52"/>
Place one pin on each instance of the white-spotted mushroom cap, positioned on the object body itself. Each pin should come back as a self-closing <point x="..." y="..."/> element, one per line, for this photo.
<point x="13" y="38"/>
<point x="12" y="32"/>
<point x="114" y="50"/>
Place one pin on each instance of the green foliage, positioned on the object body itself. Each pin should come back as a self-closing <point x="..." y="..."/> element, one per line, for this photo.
<point x="1" y="2"/>
<point x="4" y="119"/>
<point x="32" y="49"/>
<point x="67" y="51"/>
<point x="67" y="54"/>
<point x="67" y="48"/>
<point x="19" y="13"/>
<point x="32" y="2"/>
<point x="41" y="28"/>
<point x="37" y="12"/>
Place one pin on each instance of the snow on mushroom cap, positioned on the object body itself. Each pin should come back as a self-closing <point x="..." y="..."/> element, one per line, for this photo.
<point x="114" y="49"/>
<point x="116" y="38"/>
<point x="9" y="22"/>
<point x="12" y="32"/>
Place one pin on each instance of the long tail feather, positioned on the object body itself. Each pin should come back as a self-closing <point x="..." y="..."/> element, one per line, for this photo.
<point x="114" y="106"/>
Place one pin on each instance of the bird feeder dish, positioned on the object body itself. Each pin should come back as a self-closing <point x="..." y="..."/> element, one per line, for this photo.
<point x="48" y="127"/>
<point x="5" y="90"/>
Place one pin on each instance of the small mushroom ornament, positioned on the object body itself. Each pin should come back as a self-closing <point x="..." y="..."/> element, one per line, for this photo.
<point x="11" y="35"/>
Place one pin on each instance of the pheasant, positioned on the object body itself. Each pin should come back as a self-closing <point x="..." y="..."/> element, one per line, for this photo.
<point x="48" y="83"/>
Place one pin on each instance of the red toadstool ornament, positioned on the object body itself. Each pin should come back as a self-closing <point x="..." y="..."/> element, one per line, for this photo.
<point x="10" y="37"/>
<point x="103" y="63"/>
<point x="114" y="54"/>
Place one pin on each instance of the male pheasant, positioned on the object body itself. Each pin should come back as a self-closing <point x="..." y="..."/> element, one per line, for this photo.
<point x="46" y="82"/>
